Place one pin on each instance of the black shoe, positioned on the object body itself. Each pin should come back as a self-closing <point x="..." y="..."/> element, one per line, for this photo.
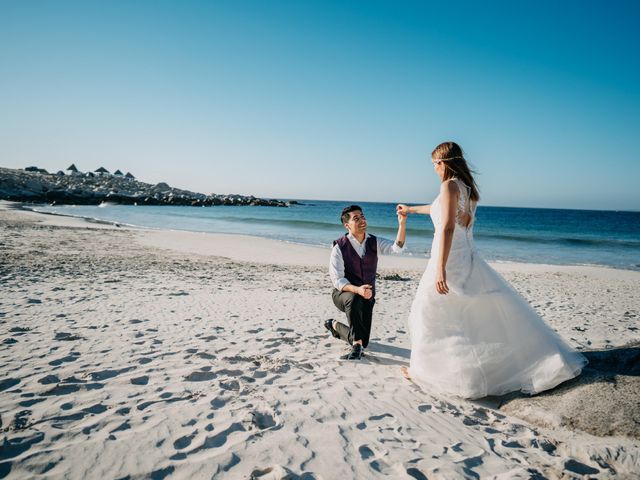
<point x="328" y="324"/>
<point x="356" y="353"/>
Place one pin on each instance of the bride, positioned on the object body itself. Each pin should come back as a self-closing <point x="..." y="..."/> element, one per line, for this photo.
<point x="472" y="334"/>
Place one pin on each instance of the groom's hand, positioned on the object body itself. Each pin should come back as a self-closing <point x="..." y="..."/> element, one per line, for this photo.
<point x="365" y="291"/>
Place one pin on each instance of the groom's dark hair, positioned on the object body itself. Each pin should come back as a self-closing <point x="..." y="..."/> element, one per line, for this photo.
<point x="345" y="215"/>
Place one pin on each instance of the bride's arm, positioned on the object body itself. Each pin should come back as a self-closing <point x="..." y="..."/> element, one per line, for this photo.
<point x="405" y="209"/>
<point x="449" y="200"/>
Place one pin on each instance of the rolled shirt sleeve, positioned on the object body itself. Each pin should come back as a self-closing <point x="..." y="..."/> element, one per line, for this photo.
<point x="386" y="246"/>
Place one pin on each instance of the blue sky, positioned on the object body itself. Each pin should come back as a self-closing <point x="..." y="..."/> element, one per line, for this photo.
<point x="329" y="100"/>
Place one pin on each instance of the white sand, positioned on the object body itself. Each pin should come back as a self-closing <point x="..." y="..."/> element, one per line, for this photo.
<point x="149" y="354"/>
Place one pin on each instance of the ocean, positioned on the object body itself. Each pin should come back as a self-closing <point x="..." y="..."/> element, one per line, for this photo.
<point x="531" y="235"/>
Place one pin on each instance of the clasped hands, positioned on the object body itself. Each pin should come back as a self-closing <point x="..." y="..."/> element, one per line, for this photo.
<point x="402" y="210"/>
<point x="365" y="291"/>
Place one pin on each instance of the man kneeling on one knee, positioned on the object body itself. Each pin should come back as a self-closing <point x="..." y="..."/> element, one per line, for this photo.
<point x="353" y="265"/>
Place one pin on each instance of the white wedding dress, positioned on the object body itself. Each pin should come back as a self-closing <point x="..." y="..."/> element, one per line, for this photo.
<point x="482" y="338"/>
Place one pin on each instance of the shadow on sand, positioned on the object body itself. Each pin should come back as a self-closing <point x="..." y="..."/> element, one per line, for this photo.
<point x="602" y="400"/>
<point x="614" y="361"/>
<point x="388" y="351"/>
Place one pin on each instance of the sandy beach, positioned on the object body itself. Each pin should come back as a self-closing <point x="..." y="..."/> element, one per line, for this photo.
<point x="131" y="353"/>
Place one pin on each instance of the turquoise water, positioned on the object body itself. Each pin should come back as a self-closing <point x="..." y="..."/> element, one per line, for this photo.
<point x="555" y="236"/>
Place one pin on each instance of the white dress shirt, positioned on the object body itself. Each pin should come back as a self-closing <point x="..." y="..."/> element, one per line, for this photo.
<point x="336" y="262"/>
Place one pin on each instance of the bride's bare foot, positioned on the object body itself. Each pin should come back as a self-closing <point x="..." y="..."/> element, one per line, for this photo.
<point x="405" y="373"/>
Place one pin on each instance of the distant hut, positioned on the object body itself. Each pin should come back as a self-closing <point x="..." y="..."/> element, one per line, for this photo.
<point x="60" y="173"/>
<point x="72" y="170"/>
<point x="102" y="171"/>
<point x="89" y="174"/>
<point x="118" y="173"/>
<point x="129" y="176"/>
<point x="36" y="170"/>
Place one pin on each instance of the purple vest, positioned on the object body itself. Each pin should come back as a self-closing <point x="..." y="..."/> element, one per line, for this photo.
<point x="360" y="271"/>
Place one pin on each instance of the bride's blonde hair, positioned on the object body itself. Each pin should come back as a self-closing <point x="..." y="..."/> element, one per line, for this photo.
<point x="455" y="165"/>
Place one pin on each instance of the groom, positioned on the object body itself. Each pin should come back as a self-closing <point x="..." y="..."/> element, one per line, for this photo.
<point x="353" y="265"/>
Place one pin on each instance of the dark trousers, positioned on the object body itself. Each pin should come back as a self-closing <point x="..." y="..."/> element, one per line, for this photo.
<point x="359" y="312"/>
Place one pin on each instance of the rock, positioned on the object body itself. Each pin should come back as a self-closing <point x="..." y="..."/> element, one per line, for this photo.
<point x="89" y="189"/>
<point x="161" y="187"/>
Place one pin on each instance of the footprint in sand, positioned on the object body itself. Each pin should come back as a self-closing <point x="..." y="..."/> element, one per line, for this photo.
<point x="143" y="380"/>
<point x="12" y="447"/>
<point x="184" y="442"/>
<point x="21" y="420"/>
<point x="580" y="468"/>
<point x="107" y="374"/>
<point x="49" y="379"/>
<point x="67" y="337"/>
<point x="415" y="473"/>
<point x="122" y="427"/>
<point x="376" y="418"/>
<point x="215" y="441"/>
<point x="365" y="452"/>
<point x="262" y="420"/>
<point x="72" y="357"/>
<point x="19" y="330"/>
<point x="8" y="383"/>
<point x="29" y="403"/>
<point x="230" y="373"/>
<point x="65" y="389"/>
<point x="512" y="444"/>
<point x="200" y="376"/>
<point x="469" y="422"/>
<point x="275" y="471"/>
<point x="233" y="385"/>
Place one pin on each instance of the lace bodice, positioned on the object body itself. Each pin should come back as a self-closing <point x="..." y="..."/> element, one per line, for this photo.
<point x="465" y="207"/>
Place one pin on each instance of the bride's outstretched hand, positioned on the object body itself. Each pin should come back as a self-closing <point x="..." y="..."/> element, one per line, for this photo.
<point x="441" y="283"/>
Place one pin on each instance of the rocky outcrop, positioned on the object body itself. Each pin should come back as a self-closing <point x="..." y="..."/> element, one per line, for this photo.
<point x="81" y="189"/>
